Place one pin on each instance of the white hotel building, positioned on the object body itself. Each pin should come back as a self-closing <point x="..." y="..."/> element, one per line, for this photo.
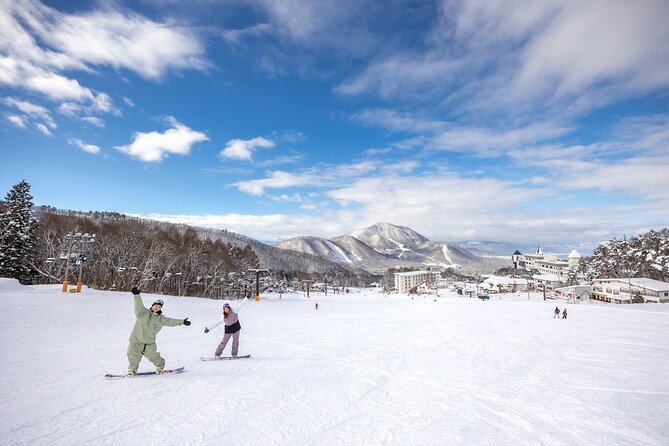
<point x="546" y="264"/>
<point x="405" y="281"/>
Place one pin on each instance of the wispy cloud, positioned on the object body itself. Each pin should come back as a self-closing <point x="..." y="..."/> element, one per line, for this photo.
<point x="94" y="120"/>
<point x="240" y="149"/>
<point x="43" y="129"/>
<point x="154" y="146"/>
<point x="41" y="48"/>
<point x="88" y="148"/>
<point x="442" y="135"/>
<point x="31" y="110"/>
<point x="18" y="121"/>
<point x="487" y="57"/>
<point x="324" y="175"/>
<point x="276" y="180"/>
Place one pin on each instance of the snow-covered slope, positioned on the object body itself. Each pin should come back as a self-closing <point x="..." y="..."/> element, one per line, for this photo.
<point x="501" y="372"/>
<point x="388" y="237"/>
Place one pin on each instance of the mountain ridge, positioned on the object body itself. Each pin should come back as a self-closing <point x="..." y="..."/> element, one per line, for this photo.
<point x="385" y="245"/>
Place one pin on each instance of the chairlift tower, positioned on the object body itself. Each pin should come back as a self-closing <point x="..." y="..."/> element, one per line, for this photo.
<point x="77" y="246"/>
<point x="258" y="271"/>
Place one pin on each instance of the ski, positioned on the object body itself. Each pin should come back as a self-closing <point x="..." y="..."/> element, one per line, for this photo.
<point x="221" y="358"/>
<point x="138" y="374"/>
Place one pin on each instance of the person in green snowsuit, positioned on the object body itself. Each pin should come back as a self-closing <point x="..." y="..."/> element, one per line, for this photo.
<point x="143" y="336"/>
<point x="564" y="313"/>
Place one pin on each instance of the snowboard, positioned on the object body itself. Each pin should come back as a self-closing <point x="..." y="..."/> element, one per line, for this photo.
<point x="138" y="374"/>
<point x="221" y="358"/>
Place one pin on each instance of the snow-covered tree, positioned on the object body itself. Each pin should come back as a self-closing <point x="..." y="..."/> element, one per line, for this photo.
<point x="645" y="255"/>
<point x="17" y="234"/>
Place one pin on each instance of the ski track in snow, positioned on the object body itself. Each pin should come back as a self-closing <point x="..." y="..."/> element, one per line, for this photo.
<point x="360" y="370"/>
<point x="338" y="251"/>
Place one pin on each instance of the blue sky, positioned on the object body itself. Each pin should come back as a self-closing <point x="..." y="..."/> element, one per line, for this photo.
<point x="535" y="122"/>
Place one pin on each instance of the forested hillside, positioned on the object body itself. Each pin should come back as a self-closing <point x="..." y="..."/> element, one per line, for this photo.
<point x="114" y="251"/>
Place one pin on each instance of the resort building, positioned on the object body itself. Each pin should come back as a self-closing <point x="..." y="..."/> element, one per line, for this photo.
<point x="642" y="289"/>
<point x="405" y="281"/>
<point x="504" y="284"/>
<point x="546" y="264"/>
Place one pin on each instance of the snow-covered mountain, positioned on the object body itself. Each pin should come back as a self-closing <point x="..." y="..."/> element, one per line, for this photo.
<point x="384" y="245"/>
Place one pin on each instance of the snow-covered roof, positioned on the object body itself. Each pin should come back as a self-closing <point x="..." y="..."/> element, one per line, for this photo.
<point x="574" y="254"/>
<point x="497" y="280"/>
<point x="547" y="277"/>
<point x="641" y="282"/>
<point x="412" y="273"/>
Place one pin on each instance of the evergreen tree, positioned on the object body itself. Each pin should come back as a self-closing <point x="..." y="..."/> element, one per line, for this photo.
<point x="17" y="234"/>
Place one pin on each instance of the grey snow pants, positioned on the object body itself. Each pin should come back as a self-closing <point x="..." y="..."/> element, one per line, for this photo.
<point x="224" y="342"/>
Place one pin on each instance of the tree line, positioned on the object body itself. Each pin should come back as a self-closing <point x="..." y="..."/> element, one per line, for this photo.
<point x="112" y="251"/>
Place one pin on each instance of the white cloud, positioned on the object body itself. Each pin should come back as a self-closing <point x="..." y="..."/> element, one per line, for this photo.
<point x="154" y="146"/>
<point x="240" y="149"/>
<point x="19" y="121"/>
<point x="272" y="227"/>
<point x="41" y="48"/>
<point x="528" y="57"/>
<point x="276" y="180"/>
<point x="106" y="37"/>
<point x="88" y="148"/>
<point x="43" y="129"/>
<point x="325" y="175"/>
<point x="443" y="135"/>
<point x="32" y="110"/>
<point x="93" y="120"/>
<point x="444" y="208"/>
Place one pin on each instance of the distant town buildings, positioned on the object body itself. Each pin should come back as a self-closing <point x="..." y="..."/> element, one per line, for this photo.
<point x="547" y="273"/>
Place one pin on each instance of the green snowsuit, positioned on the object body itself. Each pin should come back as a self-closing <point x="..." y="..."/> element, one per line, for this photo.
<point x="143" y="336"/>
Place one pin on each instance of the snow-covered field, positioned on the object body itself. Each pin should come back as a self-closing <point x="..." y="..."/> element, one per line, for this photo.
<point x="364" y="369"/>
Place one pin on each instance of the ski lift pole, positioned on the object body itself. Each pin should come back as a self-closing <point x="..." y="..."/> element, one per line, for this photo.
<point x="258" y="271"/>
<point x="66" y="282"/>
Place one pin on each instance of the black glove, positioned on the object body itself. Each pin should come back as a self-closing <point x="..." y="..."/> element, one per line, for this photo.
<point x="206" y="330"/>
<point x="134" y="290"/>
<point x="186" y="322"/>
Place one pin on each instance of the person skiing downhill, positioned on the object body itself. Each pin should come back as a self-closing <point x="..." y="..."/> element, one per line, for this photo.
<point x="232" y="329"/>
<point x="143" y="336"/>
<point x="564" y="313"/>
<point x="556" y="313"/>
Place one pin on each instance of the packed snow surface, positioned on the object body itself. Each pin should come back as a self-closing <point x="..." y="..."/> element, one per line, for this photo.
<point x="364" y="369"/>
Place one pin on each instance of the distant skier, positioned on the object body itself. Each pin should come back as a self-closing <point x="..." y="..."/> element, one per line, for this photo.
<point x="556" y="313"/>
<point x="317" y="305"/>
<point x="143" y="336"/>
<point x="232" y="329"/>
<point x="564" y="313"/>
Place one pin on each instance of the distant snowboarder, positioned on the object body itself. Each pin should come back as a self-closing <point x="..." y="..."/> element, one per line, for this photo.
<point x="556" y="313"/>
<point x="564" y="313"/>
<point x="317" y="305"/>
<point x="232" y="329"/>
<point x="143" y="336"/>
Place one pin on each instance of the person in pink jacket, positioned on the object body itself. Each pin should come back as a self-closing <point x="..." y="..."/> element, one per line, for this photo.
<point x="232" y="329"/>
